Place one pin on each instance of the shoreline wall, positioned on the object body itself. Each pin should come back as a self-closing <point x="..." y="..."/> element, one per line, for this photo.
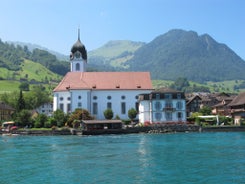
<point x="147" y="129"/>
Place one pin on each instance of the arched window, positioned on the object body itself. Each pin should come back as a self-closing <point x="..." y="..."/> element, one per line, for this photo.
<point x="158" y="116"/>
<point x="77" y="67"/>
<point x="179" y="105"/>
<point x="158" y="106"/>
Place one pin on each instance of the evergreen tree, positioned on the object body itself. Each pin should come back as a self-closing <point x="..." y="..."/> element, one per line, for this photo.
<point x="21" y="102"/>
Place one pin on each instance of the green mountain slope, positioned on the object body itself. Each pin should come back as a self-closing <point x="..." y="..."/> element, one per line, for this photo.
<point x="18" y="64"/>
<point x="30" y="72"/>
<point x="114" y="53"/>
<point x="181" y="53"/>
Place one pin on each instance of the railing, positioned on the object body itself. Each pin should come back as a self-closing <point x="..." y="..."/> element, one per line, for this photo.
<point x="171" y="109"/>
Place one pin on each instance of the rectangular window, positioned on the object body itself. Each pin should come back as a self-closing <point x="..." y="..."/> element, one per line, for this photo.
<point x="95" y="108"/>
<point x="68" y="107"/>
<point x="168" y="116"/>
<point x="179" y="115"/>
<point x="62" y="106"/>
<point x="137" y="106"/>
<point x="157" y="96"/>
<point x="108" y="105"/>
<point x="123" y="108"/>
<point x="168" y="96"/>
<point x="79" y="104"/>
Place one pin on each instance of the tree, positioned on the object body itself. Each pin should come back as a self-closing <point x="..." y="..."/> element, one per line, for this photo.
<point x="180" y="84"/>
<point x="36" y="97"/>
<point x="205" y="110"/>
<point x="78" y="115"/>
<point x="108" y="113"/>
<point x="21" y="102"/>
<point x="23" y="118"/>
<point x="10" y="98"/>
<point x="59" y="117"/>
<point x="40" y="120"/>
<point x="24" y="86"/>
<point x="132" y="113"/>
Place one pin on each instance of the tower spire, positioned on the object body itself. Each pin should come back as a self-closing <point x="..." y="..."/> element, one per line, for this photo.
<point x="79" y="33"/>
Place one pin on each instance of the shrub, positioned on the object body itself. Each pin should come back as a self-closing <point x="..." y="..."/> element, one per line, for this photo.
<point x="47" y="124"/>
<point x="132" y="113"/>
<point x="108" y="113"/>
<point x="40" y="120"/>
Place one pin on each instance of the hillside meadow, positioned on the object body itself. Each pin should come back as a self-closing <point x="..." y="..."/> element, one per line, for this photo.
<point x="30" y="72"/>
<point x="224" y="86"/>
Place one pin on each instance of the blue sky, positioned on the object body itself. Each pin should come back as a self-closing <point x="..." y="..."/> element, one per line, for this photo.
<point x="54" y="23"/>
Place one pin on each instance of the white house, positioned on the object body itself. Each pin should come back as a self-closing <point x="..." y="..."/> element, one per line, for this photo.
<point x="161" y="106"/>
<point x="46" y="108"/>
<point x="97" y="91"/>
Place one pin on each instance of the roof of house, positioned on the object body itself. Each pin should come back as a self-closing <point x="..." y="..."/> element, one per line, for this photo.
<point x="5" y="106"/>
<point x="166" y="90"/>
<point x="105" y="81"/>
<point x="193" y="98"/>
<point x="238" y="100"/>
<point x="101" y="121"/>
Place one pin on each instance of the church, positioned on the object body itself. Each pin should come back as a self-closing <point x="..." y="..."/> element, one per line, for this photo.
<point x="98" y="91"/>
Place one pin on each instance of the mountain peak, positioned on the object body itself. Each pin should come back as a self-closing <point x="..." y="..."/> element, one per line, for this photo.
<point x="180" y="53"/>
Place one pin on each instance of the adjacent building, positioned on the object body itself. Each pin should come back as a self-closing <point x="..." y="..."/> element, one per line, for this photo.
<point x="162" y="106"/>
<point x="237" y="107"/>
<point x="5" y="111"/>
<point x="46" y="108"/>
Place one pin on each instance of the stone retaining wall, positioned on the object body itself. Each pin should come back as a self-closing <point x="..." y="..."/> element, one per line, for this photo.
<point x="147" y="129"/>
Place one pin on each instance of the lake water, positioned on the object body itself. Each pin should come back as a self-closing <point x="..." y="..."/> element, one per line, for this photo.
<point x="136" y="158"/>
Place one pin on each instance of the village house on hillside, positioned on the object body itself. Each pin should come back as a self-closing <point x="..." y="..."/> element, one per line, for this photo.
<point x="5" y="111"/>
<point x="217" y="101"/>
<point x="237" y="107"/>
<point x="193" y="104"/>
<point x="46" y="108"/>
<point x="98" y="91"/>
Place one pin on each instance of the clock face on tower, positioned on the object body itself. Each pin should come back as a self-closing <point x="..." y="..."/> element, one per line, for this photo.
<point x="77" y="54"/>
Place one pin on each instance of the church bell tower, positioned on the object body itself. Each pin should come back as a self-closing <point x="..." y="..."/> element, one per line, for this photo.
<point x="78" y="56"/>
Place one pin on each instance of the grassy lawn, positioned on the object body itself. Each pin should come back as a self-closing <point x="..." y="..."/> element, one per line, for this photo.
<point x="9" y="86"/>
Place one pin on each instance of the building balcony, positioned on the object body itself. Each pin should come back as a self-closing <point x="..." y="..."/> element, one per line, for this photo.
<point x="169" y="109"/>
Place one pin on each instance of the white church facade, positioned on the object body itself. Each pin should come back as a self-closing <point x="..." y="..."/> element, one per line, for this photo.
<point x="98" y="91"/>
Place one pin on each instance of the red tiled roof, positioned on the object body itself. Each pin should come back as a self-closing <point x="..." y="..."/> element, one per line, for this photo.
<point x="105" y="81"/>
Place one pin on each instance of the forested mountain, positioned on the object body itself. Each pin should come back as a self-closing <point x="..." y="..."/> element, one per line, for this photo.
<point x="181" y="53"/>
<point x="11" y="58"/>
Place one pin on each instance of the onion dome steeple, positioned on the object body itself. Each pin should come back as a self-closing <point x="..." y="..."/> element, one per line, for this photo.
<point x="78" y="49"/>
